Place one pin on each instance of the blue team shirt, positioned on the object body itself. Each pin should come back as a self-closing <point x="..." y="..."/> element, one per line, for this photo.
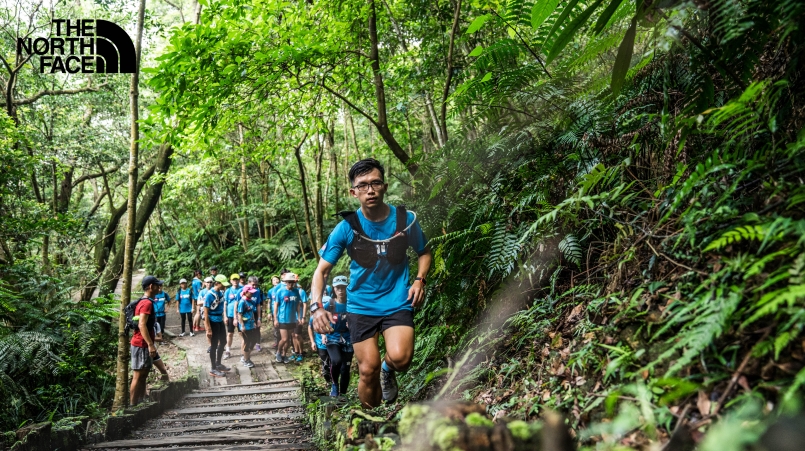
<point x="232" y="296"/>
<point x="185" y="298"/>
<point x="196" y="285"/>
<point x="271" y="296"/>
<point x="217" y="313"/>
<point x="382" y="290"/>
<point x="316" y="336"/>
<point x="159" y="304"/>
<point x="288" y="302"/>
<point x="340" y="334"/>
<point x="203" y="294"/>
<point x="247" y="309"/>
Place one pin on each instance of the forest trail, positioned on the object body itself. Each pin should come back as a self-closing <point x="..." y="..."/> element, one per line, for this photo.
<point x="250" y="409"/>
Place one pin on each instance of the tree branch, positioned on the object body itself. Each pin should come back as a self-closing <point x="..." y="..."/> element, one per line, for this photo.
<point x="86" y="177"/>
<point x="56" y="92"/>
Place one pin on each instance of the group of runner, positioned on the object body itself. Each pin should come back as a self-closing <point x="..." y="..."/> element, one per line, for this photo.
<point x="345" y="320"/>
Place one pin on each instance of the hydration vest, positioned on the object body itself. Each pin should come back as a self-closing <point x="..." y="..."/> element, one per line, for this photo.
<point x="366" y="251"/>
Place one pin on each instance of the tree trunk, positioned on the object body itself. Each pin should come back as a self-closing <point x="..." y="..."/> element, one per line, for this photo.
<point x="122" y="376"/>
<point x="293" y="212"/>
<point x="305" y="199"/>
<point x="380" y="95"/>
<point x="449" y="78"/>
<point x="244" y="195"/>
<point x="319" y="195"/>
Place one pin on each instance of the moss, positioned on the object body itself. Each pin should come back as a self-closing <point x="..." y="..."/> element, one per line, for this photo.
<point x="477" y="419"/>
<point x="520" y="430"/>
<point x="444" y="435"/>
<point x="409" y="417"/>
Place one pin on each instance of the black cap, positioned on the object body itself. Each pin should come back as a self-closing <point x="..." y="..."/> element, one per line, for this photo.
<point x="213" y="268"/>
<point x="284" y="271"/>
<point x="242" y="275"/>
<point x="150" y="280"/>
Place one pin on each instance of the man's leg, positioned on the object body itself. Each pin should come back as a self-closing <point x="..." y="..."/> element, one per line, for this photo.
<point x="368" y="356"/>
<point x="399" y="347"/>
<point x="297" y="343"/>
<point x="283" y="343"/>
<point x="221" y="338"/>
<point x="137" y="380"/>
<point x="213" y="346"/>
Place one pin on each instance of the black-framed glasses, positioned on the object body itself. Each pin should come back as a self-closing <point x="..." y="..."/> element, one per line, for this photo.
<point x="363" y="187"/>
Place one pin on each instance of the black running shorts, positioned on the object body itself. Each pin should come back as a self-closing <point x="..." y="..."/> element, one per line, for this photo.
<point x="363" y="327"/>
<point x="288" y="326"/>
<point x="230" y="325"/>
<point x="250" y="338"/>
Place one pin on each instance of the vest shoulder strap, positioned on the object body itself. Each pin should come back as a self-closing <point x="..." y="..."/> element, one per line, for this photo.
<point x="352" y="219"/>
<point x="402" y="219"/>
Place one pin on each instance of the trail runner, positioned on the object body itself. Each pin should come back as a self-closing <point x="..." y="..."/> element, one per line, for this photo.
<point x="248" y="323"/>
<point x="339" y="343"/>
<point x="231" y="298"/>
<point x="381" y="300"/>
<point x="287" y="313"/>
<point x="143" y="352"/>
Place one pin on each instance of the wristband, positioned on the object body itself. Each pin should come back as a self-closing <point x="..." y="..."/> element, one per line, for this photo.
<point x="422" y="279"/>
<point x="315" y="306"/>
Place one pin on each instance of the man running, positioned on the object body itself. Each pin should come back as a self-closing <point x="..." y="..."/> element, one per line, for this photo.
<point x="287" y="313"/>
<point x="249" y="323"/>
<point x="381" y="301"/>
<point x="143" y="352"/>
<point x="214" y="320"/>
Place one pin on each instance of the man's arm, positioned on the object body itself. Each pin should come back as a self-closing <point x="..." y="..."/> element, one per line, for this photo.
<point x="207" y="325"/>
<point x="416" y="294"/>
<point x="143" y="325"/>
<point x="312" y="339"/>
<point x="321" y="317"/>
<point x="276" y="320"/>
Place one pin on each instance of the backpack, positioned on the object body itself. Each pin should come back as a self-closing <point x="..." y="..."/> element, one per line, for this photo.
<point x="129" y="312"/>
<point x="366" y="252"/>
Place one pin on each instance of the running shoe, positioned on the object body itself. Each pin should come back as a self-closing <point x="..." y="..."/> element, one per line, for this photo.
<point x="192" y="334"/>
<point x="279" y="358"/>
<point x="298" y="357"/>
<point x="286" y="359"/>
<point x="223" y="368"/>
<point x="242" y="359"/>
<point x="258" y="348"/>
<point x="182" y="334"/>
<point x="227" y="355"/>
<point x="248" y="364"/>
<point x="216" y="373"/>
<point x="209" y="349"/>
<point x="333" y="391"/>
<point x="388" y="384"/>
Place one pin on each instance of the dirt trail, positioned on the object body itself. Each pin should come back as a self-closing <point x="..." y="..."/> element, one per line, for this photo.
<point x="251" y="409"/>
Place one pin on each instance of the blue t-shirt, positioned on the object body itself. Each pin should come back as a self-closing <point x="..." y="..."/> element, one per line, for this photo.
<point x="196" y="285"/>
<point x="302" y="293"/>
<point x="247" y="309"/>
<point x="340" y="332"/>
<point x="316" y="336"/>
<point x="288" y="302"/>
<point x="272" y="296"/>
<point x="159" y="304"/>
<point x="382" y="290"/>
<point x="203" y="294"/>
<point x="185" y="298"/>
<point x="215" y="302"/>
<point x="232" y="296"/>
<point x="328" y="290"/>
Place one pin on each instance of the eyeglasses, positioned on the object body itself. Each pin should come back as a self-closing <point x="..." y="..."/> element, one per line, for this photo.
<point x="363" y="187"/>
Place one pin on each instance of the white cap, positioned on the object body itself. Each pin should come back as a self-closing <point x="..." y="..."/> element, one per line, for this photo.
<point x="340" y="280"/>
<point x="208" y="279"/>
<point x="183" y="281"/>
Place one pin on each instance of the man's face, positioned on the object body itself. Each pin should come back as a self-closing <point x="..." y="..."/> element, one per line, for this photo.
<point x="235" y="282"/>
<point x="289" y="285"/>
<point x="219" y="286"/>
<point x="214" y="272"/>
<point x="369" y="189"/>
<point x="183" y="285"/>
